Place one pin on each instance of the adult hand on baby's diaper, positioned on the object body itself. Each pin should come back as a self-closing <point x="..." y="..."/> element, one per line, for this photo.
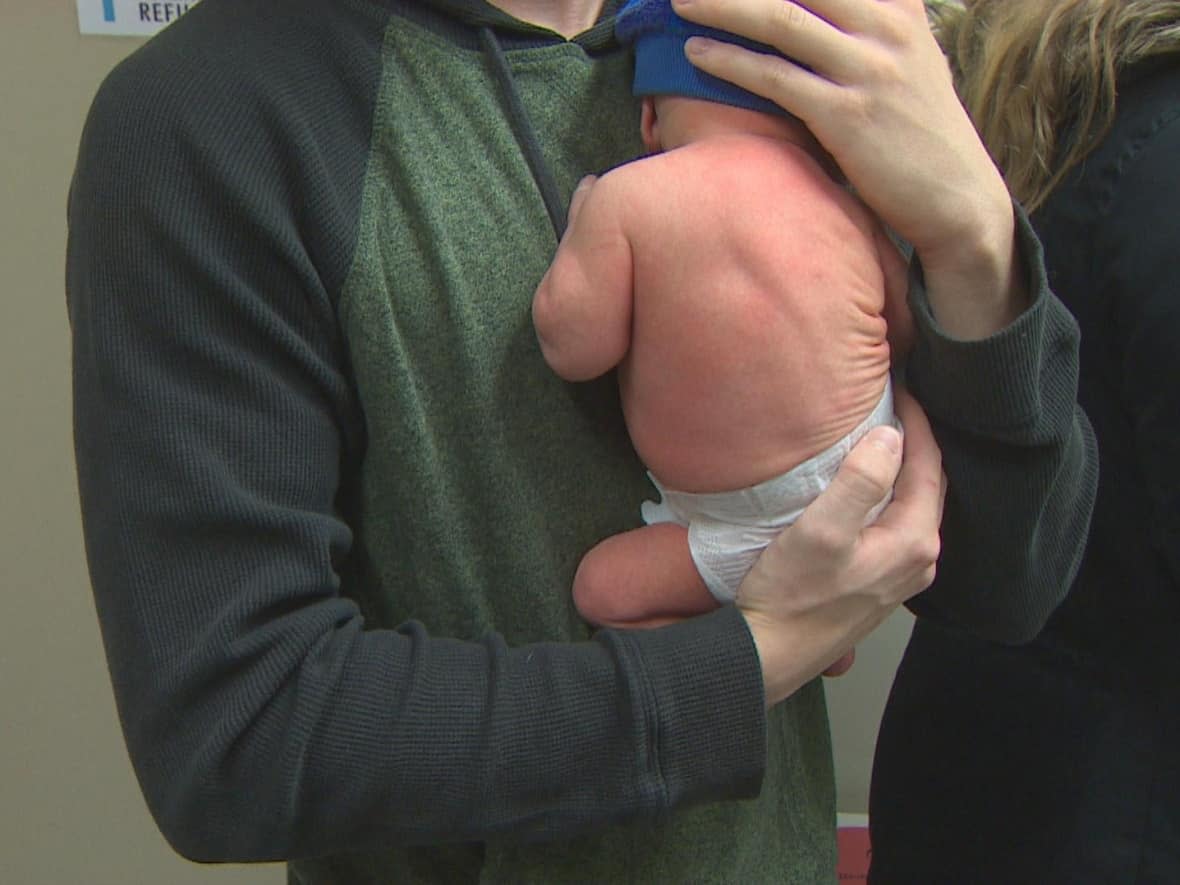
<point x="829" y="580"/>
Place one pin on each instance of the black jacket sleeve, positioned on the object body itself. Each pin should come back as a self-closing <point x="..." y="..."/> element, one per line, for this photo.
<point x="1020" y="460"/>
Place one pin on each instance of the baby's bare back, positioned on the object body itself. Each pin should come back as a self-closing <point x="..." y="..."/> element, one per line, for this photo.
<point x="758" y="338"/>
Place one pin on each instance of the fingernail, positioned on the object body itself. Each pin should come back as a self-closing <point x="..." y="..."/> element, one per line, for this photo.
<point x="681" y="4"/>
<point x="887" y="438"/>
<point x="696" y="47"/>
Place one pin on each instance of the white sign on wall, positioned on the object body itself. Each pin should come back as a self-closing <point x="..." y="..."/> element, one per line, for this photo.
<point x="130" y="17"/>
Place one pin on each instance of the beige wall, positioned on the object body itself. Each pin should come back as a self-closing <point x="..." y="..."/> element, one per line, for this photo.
<point x="855" y="703"/>
<point x="70" y="811"/>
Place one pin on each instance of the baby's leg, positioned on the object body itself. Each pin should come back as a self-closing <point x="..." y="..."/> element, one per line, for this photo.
<point x="641" y="578"/>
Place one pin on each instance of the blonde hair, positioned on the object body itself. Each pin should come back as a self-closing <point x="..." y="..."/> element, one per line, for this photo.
<point x="1038" y="77"/>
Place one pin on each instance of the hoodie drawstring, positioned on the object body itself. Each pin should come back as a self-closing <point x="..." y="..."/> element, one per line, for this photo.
<point x="526" y="135"/>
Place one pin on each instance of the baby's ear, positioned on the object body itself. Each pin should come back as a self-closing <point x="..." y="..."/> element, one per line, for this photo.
<point x="649" y="125"/>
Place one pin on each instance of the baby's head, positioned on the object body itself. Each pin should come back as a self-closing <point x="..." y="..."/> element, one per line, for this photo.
<point x="658" y="35"/>
<point x="677" y="93"/>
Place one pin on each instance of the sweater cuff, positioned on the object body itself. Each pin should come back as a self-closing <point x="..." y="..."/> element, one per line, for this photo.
<point x="985" y="384"/>
<point x="705" y="678"/>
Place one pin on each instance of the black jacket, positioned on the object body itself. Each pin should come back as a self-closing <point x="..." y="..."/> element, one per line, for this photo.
<point x="1059" y="761"/>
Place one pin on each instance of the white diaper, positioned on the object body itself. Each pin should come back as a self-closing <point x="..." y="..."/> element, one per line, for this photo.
<point x="727" y="531"/>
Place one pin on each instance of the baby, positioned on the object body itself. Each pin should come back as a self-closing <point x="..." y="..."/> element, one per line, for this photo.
<point x="743" y="295"/>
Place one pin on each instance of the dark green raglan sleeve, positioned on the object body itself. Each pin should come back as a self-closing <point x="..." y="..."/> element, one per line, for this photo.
<point x="1020" y="460"/>
<point x="212" y="219"/>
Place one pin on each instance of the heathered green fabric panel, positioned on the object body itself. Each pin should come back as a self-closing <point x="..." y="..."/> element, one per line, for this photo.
<point x="510" y="470"/>
<point x="486" y="476"/>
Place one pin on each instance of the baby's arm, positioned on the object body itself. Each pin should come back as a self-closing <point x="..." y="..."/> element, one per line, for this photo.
<point x="582" y="307"/>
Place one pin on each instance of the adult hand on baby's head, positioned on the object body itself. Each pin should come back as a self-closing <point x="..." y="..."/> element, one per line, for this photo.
<point x="829" y="580"/>
<point x="880" y="98"/>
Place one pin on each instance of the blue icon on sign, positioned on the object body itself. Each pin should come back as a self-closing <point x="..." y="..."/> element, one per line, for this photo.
<point x="108" y="10"/>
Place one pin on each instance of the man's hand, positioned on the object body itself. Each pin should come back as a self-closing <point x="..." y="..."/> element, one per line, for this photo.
<point x="829" y="580"/>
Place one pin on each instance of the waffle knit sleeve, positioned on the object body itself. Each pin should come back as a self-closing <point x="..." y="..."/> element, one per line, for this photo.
<point x="212" y="217"/>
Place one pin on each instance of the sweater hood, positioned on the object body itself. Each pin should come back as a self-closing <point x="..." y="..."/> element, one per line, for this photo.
<point x="494" y="31"/>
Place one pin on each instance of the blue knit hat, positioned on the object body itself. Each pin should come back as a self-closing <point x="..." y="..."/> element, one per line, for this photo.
<point x="660" y="65"/>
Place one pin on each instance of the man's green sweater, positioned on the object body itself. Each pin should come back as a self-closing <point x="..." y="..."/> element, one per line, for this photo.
<point x="333" y="497"/>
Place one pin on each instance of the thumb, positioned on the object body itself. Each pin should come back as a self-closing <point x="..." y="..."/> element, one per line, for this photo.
<point x="862" y="482"/>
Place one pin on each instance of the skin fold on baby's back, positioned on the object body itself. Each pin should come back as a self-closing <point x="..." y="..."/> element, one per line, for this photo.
<point x="757" y="334"/>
